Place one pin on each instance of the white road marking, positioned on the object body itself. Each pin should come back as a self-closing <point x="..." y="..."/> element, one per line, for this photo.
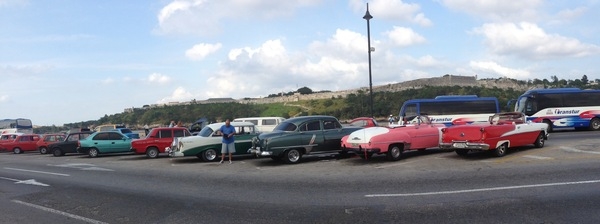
<point x="394" y="164"/>
<point x="482" y="189"/>
<point x="76" y="165"/>
<point x="88" y="220"/>
<point x="30" y="181"/>
<point x="571" y="149"/>
<point x="96" y="169"/>
<point x="35" y="171"/>
<point x="537" y="157"/>
<point x="82" y="166"/>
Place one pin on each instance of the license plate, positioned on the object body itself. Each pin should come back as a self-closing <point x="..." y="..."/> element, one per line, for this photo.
<point x="354" y="144"/>
<point x="459" y="145"/>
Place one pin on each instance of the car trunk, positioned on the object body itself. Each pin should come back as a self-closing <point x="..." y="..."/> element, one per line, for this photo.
<point x="467" y="133"/>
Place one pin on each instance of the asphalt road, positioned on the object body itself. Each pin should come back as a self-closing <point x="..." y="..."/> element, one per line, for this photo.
<point x="559" y="183"/>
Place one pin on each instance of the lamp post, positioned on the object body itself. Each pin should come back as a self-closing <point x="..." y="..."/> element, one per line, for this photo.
<point x="369" y="17"/>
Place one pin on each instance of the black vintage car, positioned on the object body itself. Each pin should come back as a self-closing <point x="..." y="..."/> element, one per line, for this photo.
<point x="298" y="136"/>
<point x="69" y="145"/>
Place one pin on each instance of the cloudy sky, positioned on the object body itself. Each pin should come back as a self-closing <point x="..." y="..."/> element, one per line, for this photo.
<point x="64" y="61"/>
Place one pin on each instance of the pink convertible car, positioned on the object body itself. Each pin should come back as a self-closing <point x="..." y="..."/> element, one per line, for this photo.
<point x="394" y="140"/>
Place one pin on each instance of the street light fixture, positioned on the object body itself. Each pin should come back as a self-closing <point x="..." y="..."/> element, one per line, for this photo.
<point x="369" y="17"/>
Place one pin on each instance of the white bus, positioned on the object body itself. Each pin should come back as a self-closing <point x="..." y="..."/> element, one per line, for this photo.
<point x="19" y="125"/>
<point x="562" y="107"/>
<point x="450" y="109"/>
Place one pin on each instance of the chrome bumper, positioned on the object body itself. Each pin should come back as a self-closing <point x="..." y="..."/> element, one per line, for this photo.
<point x="465" y="145"/>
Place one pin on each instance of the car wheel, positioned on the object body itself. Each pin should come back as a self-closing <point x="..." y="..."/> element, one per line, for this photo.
<point x="292" y="156"/>
<point x="93" y="152"/>
<point x="209" y="155"/>
<point x="462" y="152"/>
<point x="501" y="150"/>
<point x="152" y="152"/>
<point x="57" y="152"/>
<point x="43" y="150"/>
<point x="17" y="150"/>
<point x="539" y="141"/>
<point x="595" y="124"/>
<point x="550" y="129"/>
<point x="394" y="152"/>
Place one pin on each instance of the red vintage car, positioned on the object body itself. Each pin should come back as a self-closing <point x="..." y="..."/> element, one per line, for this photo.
<point x="157" y="140"/>
<point x="394" y="140"/>
<point x="503" y="131"/>
<point x="20" y="144"/>
<point x="363" y="122"/>
<point x="46" y="139"/>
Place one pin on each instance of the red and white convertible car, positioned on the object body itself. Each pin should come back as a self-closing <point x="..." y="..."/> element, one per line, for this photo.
<point x="503" y="131"/>
<point x="394" y="140"/>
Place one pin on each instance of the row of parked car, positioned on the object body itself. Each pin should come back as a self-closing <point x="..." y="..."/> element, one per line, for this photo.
<point x="307" y="135"/>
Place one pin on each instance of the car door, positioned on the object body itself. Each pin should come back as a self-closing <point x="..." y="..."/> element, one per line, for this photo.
<point x="165" y="137"/>
<point x="243" y="138"/>
<point x="119" y="142"/>
<point x="311" y="135"/>
<point x="102" y="142"/>
<point x="332" y="134"/>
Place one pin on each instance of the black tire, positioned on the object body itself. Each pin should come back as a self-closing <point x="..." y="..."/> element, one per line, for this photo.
<point x="93" y="152"/>
<point x="152" y="152"/>
<point x="595" y="124"/>
<point x="540" y="140"/>
<point x="43" y="150"/>
<point x="501" y="150"/>
<point x="462" y="152"/>
<point x="209" y="155"/>
<point x="394" y="152"/>
<point x="57" y="152"/>
<point x="17" y="150"/>
<point x="550" y="129"/>
<point x="292" y="156"/>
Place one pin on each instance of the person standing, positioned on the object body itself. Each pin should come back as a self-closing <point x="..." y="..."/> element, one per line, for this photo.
<point x="391" y="119"/>
<point x="228" y="142"/>
<point x="146" y="129"/>
<point x="172" y="124"/>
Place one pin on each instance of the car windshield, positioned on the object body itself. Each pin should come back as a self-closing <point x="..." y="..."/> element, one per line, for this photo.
<point x="206" y="132"/>
<point x="285" y="126"/>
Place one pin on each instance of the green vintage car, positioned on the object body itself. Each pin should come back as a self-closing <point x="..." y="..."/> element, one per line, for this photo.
<point x="207" y="144"/>
<point x="317" y="135"/>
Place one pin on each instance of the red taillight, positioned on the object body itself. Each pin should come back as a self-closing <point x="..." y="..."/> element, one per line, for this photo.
<point x="78" y="144"/>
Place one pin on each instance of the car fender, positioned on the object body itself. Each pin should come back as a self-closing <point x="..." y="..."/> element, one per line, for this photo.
<point x="499" y="143"/>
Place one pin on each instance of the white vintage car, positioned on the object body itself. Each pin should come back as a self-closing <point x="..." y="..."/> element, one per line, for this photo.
<point x="207" y="144"/>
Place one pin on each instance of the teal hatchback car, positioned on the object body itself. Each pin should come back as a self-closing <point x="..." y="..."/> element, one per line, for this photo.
<point x="104" y="142"/>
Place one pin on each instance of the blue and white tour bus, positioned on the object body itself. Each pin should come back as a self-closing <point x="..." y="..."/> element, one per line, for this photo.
<point x="450" y="109"/>
<point x="562" y="107"/>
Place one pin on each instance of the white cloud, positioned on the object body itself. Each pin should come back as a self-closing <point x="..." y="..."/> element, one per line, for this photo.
<point x="495" y="68"/>
<point x="200" y="51"/>
<point x="530" y="41"/>
<point x="4" y="98"/>
<point x="158" y="78"/>
<point x="497" y="10"/>
<point x="180" y="94"/>
<point x="204" y="17"/>
<point x="108" y="81"/>
<point x="403" y="36"/>
<point x="393" y="10"/>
